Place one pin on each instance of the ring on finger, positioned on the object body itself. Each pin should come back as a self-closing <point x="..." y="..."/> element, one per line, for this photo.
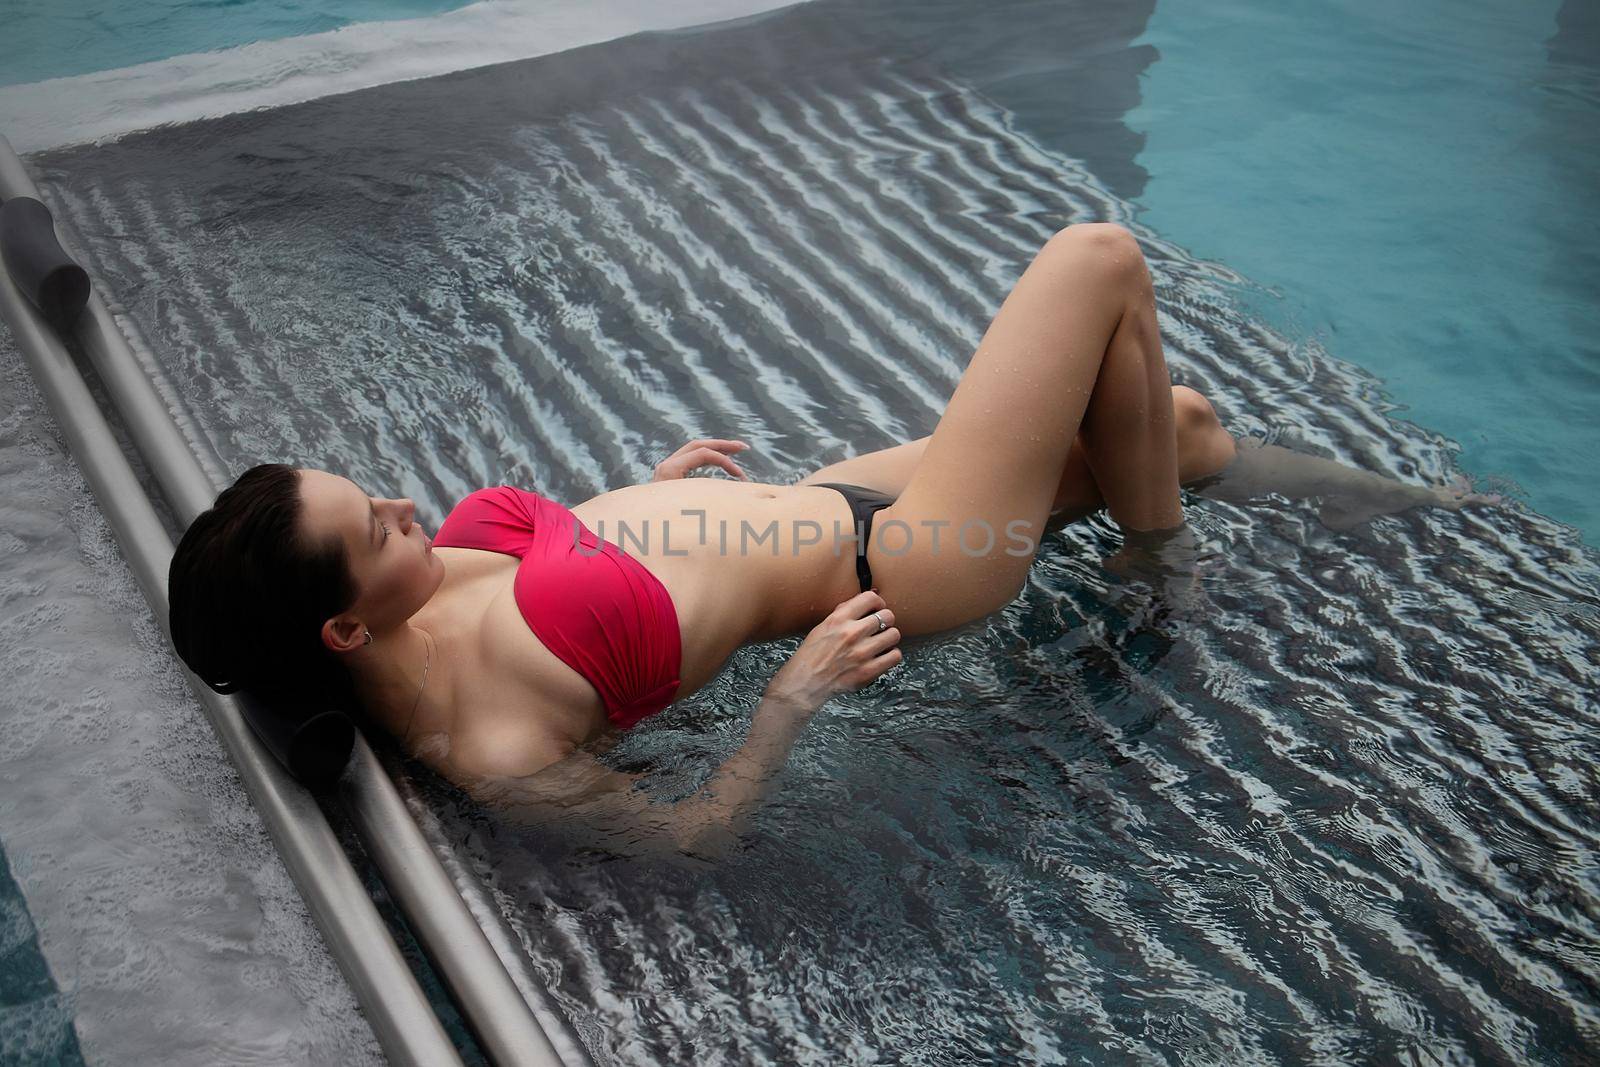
<point x="882" y="626"/>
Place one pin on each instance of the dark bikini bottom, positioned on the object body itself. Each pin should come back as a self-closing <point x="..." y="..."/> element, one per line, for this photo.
<point x="864" y="503"/>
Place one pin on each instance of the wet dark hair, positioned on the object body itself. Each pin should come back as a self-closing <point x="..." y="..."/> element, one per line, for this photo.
<point x="249" y="592"/>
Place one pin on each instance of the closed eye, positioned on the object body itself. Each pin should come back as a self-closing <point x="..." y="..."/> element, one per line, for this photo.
<point x="385" y="530"/>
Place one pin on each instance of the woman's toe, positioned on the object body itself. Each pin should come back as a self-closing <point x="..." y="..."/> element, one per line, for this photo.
<point x="1457" y="493"/>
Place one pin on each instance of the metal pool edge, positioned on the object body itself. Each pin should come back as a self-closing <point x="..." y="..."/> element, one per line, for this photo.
<point x="401" y="1017"/>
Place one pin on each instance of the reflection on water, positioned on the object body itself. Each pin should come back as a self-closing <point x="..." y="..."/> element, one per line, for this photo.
<point x="1347" y="813"/>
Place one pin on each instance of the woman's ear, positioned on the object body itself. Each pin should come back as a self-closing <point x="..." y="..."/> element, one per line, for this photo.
<point x="343" y="633"/>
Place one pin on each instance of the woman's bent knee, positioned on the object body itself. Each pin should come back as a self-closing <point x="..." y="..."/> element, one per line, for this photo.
<point x="1193" y="411"/>
<point x="1105" y="245"/>
<point x="1104" y="233"/>
<point x="1204" y="447"/>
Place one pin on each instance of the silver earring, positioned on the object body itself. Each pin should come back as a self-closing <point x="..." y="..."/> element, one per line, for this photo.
<point x="368" y="641"/>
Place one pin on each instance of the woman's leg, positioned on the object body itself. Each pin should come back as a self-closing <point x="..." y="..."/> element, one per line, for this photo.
<point x="1348" y="497"/>
<point x="1204" y="449"/>
<point x="1074" y="346"/>
<point x="1211" y="462"/>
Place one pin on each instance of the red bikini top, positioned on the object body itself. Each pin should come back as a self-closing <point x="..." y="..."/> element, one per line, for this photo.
<point x="593" y="605"/>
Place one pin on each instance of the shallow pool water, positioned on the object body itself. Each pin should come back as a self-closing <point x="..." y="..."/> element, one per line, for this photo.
<point x="1347" y="812"/>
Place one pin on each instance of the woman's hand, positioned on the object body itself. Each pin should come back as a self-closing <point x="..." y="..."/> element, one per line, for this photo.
<point x="842" y="652"/>
<point x="707" y="452"/>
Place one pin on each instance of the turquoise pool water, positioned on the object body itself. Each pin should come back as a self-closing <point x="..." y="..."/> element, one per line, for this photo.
<point x="1417" y="185"/>
<point x="58" y="38"/>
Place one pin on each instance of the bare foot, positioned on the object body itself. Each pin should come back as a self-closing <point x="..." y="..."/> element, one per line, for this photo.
<point x="1457" y="494"/>
<point x="1170" y="561"/>
<point x="1348" y="510"/>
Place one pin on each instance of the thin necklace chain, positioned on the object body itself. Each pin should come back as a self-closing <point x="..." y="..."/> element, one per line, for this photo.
<point x="418" y="702"/>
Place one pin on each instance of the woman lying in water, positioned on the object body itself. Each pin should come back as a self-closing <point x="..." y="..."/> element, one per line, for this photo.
<point x="503" y="648"/>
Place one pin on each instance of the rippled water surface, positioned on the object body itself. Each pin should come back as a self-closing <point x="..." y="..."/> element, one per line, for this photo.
<point x="1346" y="813"/>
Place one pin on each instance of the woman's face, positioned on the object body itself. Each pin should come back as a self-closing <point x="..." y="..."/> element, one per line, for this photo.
<point x="391" y="559"/>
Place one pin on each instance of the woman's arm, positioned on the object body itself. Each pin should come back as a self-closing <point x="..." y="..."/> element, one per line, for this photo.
<point x="845" y="651"/>
<point x="579" y="793"/>
<point x="714" y="817"/>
